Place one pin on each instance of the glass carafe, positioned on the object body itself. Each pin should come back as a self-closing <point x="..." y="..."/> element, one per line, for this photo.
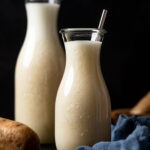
<point x="82" y="110"/>
<point x="39" y="69"/>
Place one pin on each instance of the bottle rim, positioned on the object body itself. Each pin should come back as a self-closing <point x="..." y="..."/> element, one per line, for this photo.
<point x="83" y="30"/>
<point x="76" y="34"/>
<point x="43" y="1"/>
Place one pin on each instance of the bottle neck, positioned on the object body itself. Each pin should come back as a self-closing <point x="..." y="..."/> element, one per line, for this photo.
<point x="83" y="56"/>
<point x="42" y="19"/>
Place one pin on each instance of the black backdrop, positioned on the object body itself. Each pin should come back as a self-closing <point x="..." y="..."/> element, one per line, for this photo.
<point x="125" y="51"/>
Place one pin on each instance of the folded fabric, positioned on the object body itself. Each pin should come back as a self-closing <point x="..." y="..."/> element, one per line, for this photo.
<point x="130" y="133"/>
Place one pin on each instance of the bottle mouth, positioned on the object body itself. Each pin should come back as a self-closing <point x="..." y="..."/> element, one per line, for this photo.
<point x="43" y="1"/>
<point x="90" y="34"/>
<point x="36" y="1"/>
<point x="83" y="30"/>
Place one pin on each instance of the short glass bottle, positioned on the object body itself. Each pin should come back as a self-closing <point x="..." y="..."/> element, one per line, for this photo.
<point x="82" y="111"/>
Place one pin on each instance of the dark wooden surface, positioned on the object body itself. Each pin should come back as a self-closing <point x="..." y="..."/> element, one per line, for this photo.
<point x="48" y="147"/>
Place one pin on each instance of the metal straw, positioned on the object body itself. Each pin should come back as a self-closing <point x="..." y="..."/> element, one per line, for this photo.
<point x="102" y="20"/>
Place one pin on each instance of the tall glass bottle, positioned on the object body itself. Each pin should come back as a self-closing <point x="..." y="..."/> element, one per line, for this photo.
<point x="82" y="104"/>
<point x="39" y="69"/>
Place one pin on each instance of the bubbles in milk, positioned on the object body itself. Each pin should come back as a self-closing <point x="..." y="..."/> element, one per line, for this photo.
<point x="80" y="116"/>
<point x="73" y="107"/>
<point x="84" y="132"/>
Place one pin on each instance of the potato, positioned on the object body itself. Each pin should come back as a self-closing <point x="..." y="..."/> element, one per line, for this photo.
<point x="16" y="136"/>
<point x="143" y="106"/>
<point x="115" y="114"/>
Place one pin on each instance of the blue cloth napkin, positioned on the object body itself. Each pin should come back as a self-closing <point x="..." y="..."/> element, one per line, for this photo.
<point x="130" y="133"/>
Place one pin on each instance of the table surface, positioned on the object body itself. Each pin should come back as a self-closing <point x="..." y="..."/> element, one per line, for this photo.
<point x="48" y="147"/>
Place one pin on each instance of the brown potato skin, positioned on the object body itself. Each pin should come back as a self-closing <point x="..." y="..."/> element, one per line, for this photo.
<point x="143" y="106"/>
<point x="115" y="114"/>
<point x="17" y="136"/>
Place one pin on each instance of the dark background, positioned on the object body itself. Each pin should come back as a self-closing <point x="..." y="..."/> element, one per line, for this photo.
<point x="125" y="51"/>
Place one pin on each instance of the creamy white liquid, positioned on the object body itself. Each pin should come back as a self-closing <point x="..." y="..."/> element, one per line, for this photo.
<point x="82" y="103"/>
<point x="39" y="70"/>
